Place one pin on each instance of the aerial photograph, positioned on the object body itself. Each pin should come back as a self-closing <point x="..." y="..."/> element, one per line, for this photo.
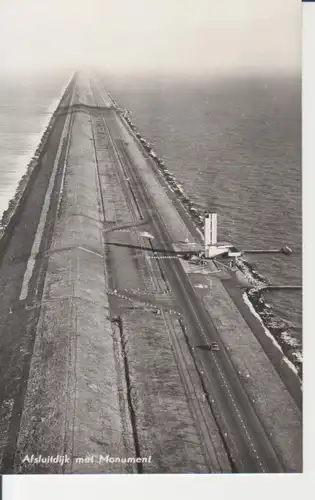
<point x="150" y="237"/>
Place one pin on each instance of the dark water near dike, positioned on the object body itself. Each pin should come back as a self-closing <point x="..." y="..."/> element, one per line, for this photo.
<point x="235" y="145"/>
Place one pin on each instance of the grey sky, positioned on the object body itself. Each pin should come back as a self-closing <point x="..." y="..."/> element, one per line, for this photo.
<point x="166" y="35"/>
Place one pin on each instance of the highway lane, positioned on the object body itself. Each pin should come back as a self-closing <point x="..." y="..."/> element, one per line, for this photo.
<point x="245" y="436"/>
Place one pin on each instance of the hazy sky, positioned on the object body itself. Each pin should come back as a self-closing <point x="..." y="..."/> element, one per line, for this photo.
<point x="166" y="35"/>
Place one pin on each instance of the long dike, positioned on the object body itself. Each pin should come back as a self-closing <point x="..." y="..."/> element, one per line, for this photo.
<point x="75" y="384"/>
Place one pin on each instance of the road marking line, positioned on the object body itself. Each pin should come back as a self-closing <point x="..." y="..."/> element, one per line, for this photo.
<point x="90" y="251"/>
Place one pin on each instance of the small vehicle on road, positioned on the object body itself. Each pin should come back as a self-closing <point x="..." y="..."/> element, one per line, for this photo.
<point x="214" y="346"/>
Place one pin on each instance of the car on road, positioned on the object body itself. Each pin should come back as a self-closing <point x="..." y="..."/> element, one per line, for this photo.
<point x="214" y="346"/>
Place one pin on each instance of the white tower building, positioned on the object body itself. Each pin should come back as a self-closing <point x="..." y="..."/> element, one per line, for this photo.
<point x="210" y="233"/>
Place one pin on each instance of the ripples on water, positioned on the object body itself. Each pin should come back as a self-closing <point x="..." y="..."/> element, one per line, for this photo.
<point x="235" y="145"/>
